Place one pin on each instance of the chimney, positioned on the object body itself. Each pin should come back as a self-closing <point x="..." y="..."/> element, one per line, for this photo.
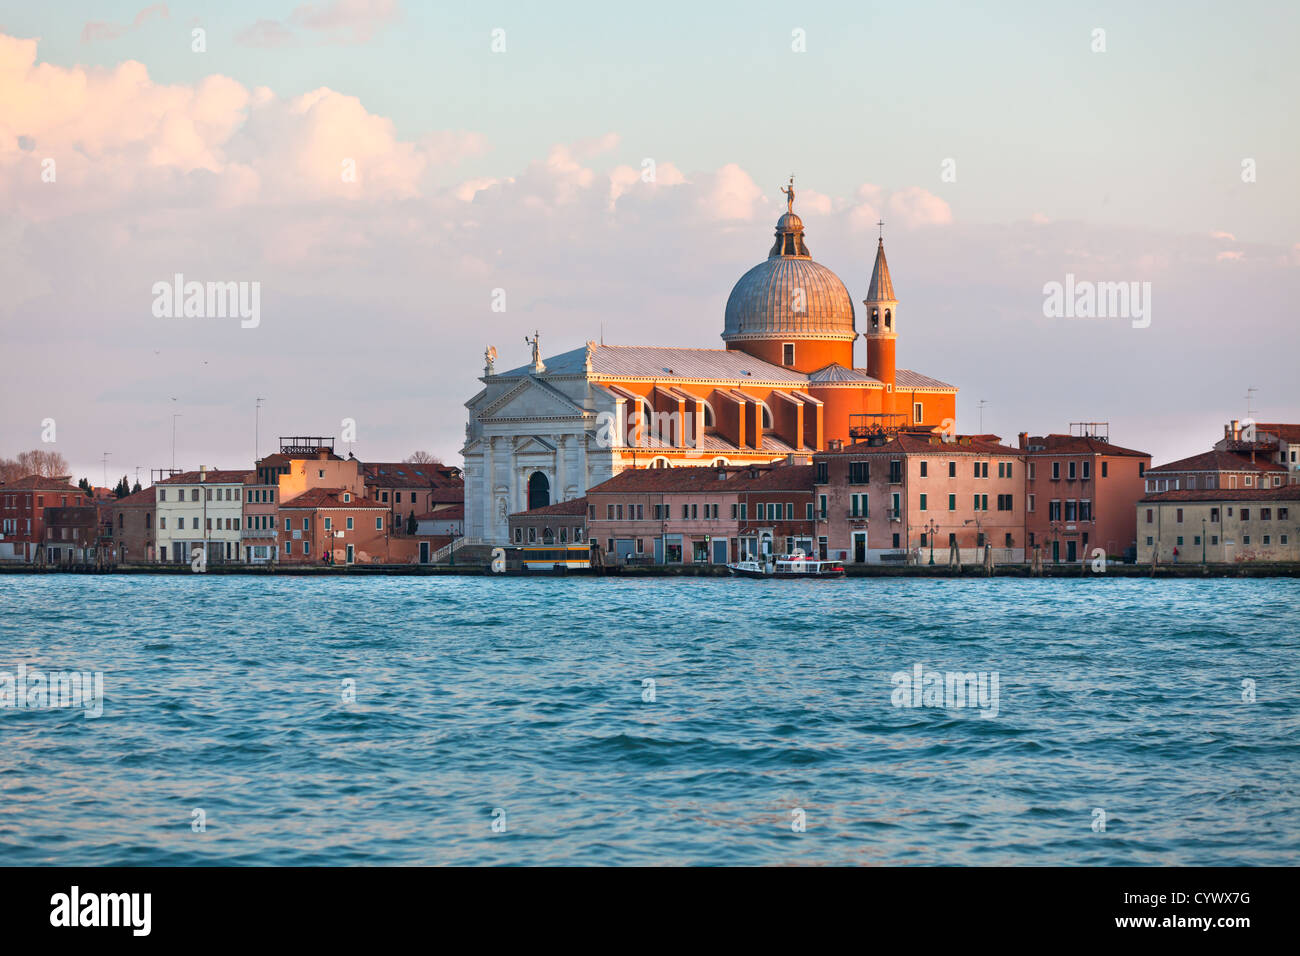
<point x="203" y="472"/>
<point x="1024" y="439"/>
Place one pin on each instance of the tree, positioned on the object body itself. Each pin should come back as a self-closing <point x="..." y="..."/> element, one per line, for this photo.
<point x="10" y="470"/>
<point x="136" y="488"/>
<point x="84" y="485"/>
<point x="412" y="525"/>
<point x="47" y="464"/>
<point x="423" y="458"/>
<point x="123" y="488"/>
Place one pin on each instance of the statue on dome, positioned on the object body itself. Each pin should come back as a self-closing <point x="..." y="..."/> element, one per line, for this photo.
<point x="789" y="194"/>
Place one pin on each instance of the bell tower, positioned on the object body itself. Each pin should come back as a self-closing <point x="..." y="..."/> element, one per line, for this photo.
<point x="882" y="319"/>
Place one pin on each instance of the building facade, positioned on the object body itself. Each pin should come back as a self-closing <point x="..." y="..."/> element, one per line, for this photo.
<point x="22" y="513"/>
<point x="1220" y="525"/>
<point x="1080" y="490"/>
<point x="895" y="499"/>
<point x="201" y="509"/>
<point x="785" y="383"/>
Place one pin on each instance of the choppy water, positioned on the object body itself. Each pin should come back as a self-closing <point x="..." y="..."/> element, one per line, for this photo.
<point x="475" y="694"/>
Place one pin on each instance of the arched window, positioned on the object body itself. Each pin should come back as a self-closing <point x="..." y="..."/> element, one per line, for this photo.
<point x="888" y="318"/>
<point x="719" y="462"/>
<point x="539" y="491"/>
<point x="875" y="318"/>
<point x="661" y="462"/>
<point x="767" y="415"/>
<point x="708" y="415"/>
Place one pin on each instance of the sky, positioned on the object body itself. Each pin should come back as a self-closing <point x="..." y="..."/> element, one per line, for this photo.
<point x="381" y="168"/>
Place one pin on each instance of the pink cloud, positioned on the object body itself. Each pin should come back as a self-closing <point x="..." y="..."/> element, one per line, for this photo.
<point x="100" y="30"/>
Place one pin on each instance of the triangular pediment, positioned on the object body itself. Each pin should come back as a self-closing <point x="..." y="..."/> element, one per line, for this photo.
<point x="532" y="399"/>
<point x="534" y="443"/>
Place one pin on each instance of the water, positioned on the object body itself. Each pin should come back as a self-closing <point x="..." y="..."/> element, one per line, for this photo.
<point x="474" y="694"/>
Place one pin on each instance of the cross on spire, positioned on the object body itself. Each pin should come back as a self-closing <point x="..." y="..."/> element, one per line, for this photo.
<point x="881" y="224"/>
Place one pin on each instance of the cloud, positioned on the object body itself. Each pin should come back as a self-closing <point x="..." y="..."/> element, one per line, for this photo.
<point x="340" y="22"/>
<point x="1229" y="256"/>
<point x="1223" y="235"/>
<point x="381" y="288"/>
<point x="100" y="30"/>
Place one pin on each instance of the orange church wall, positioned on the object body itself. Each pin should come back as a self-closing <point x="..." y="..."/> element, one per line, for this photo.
<point x="809" y="354"/>
<point x="838" y="404"/>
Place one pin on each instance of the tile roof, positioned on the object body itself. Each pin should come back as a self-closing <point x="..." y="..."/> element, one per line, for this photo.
<point x="911" y="443"/>
<point x="213" y="476"/>
<point x="405" y="474"/>
<point x="1283" y="493"/>
<point x="331" y="498"/>
<point x="574" y="506"/>
<point x="1079" y="445"/>
<point x="729" y="479"/>
<point x="451" y="513"/>
<point x="906" y="378"/>
<point x="1216" y="461"/>
<point x="142" y="498"/>
<point x="41" y="483"/>
<point x="835" y="373"/>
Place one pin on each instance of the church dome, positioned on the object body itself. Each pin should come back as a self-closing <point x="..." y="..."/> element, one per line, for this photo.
<point x="789" y="295"/>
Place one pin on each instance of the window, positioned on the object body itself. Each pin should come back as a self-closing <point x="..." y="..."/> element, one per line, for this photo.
<point x="859" y="506"/>
<point x="1072" y="466"/>
<point x="895" y="506"/>
<point x="1281" y="514"/>
<point x="618" y="512"/>
<point x="952" y="469"/>
<point x="1179" y="515"/>
<point x="923" y="499"/>
<point x="286" y="524"/>
<point x="1179" y="542"/>
<point x="1029" y="502"/>
<point x="162" y="522"/>
<point x="1005" y="503"/>
<point x="821" y="506"/>
<point x="809" y="515"/>
<point x="1104" y="469"/>
<point x="1245" y="514"/>
<point x="1245" y="539"/>
<point x="349" y="523"/>
<point x="1056" y="471"/>
<point x="744" y="511"/>
<point x="328" y="522"/>
<point x="789" y="511"/>
<point x="895" y="471"/>
<point x="288" y="547"/>
<point x="519" y="535"/>
<point x="306" y="524"/>
<point x="859" y="472"/>
<point x="1072" y="510"/>
<point x="925" y="469"/>
<point x="1087" y="470"/>
<point x="952" y="502"/>
<point x="379" y="523"/>
<point x="695" y="511"/>
<point x="823" y="474"/>
<point x="162" y="494"/>
<point x="306" y="547"/>
<point x="1054" y="510"/>
<point x="1031" y="473"/>
<point x="918" y="413"/>
<point x="1265" y="514"/>
<point x="787" y="353"/>
<point x="1085" y="510"/>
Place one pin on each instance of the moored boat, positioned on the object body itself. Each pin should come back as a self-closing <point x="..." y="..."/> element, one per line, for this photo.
<point x="795" y="565"/>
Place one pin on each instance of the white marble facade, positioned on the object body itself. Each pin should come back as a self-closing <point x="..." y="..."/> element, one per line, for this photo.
<point x="524" y="423"/>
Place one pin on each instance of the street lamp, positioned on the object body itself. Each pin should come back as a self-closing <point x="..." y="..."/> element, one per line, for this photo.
<point x="930" y="530"/>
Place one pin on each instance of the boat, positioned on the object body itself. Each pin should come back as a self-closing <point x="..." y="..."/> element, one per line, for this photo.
<point x="794" y="565"/>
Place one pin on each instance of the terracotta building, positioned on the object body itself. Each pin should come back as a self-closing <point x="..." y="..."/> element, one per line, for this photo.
<point x="1080" y="490"/>
<point x="700" y="515"/>
<point x="22" y="513"/>
<point x="787" y="381"/>
<point x="333" y="524"/>
<point x="70" y="534"/>
<point x="877" y="501"/>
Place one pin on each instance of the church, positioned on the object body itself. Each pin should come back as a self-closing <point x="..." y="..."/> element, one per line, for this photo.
<point x="785" y="384"/>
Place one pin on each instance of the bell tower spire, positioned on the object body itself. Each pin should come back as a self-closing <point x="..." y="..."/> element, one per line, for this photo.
<point x="882" y="314"/>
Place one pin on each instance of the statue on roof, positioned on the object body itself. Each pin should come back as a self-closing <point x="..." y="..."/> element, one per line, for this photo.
<point x="536" y="343"/>
<point x="789" y="194"/>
